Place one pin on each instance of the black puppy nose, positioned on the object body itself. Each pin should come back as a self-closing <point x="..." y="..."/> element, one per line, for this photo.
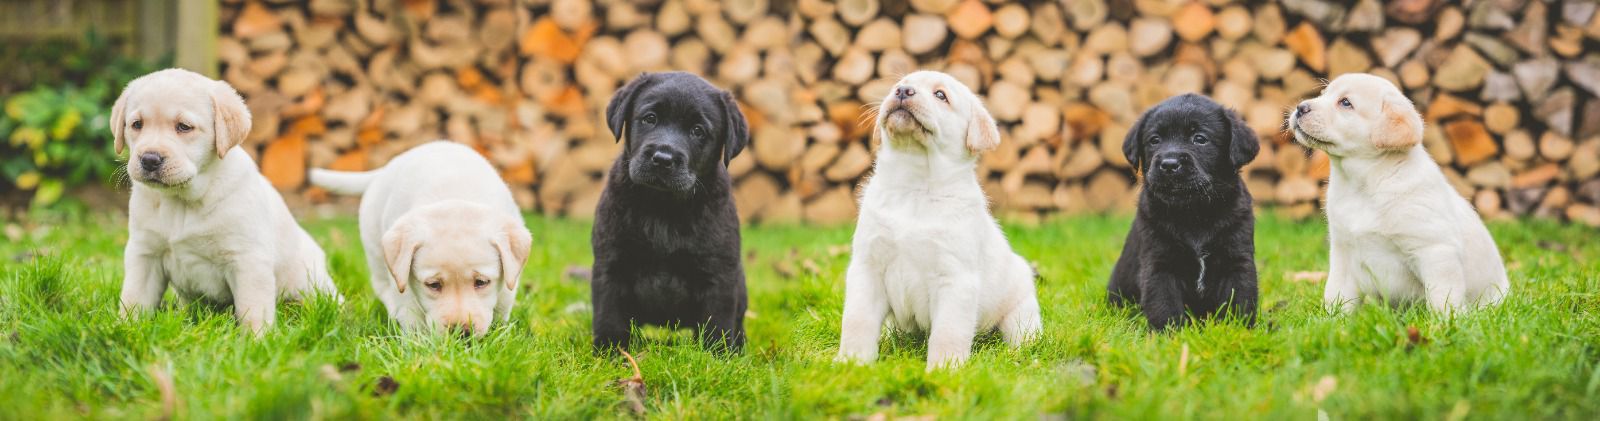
<point x="903" y="92"/>
<point x="1304" y="108"/>
<point x="663" y="158"/>
<point x="1170" y="165"/>
<point x="150" y="161"/>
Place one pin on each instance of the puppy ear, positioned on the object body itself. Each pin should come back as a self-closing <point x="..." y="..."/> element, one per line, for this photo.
<point x="513" y="244"/>
<point x="620" y="109"/>
<point x="231" y="119"/>
<point x="1132" y="147"/>
<point x="982" y="134"/>
<point x="1243" y="145"/>
<point x="1401" y="127"/>
<point x="738" y="131"/>
<point x="117" y="119"/>
<point x="399" y="245"/>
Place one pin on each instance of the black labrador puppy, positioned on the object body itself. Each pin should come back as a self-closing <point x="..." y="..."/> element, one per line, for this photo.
<point x="666" y="235"/>
<point x="1191" y="250"/>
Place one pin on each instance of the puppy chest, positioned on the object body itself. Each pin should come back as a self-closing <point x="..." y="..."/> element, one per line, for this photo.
<point x="198" y="275"/>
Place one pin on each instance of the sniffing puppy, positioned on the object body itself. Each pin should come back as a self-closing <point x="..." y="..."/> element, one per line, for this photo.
<point x="201" y="218"/>
<point x="1191" y="250"/>
<point x="926" y="253"/>
<point x="1396" y="230"/>
<point x="445" y="242"/>
<point x="666" y="235"/>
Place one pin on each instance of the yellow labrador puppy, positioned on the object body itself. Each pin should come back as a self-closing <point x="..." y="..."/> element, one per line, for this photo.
<point x="444" y="239"/>
<point x="202" y="219"/>
<point x="926" y="253"/>
<point x="1396" y="229"/>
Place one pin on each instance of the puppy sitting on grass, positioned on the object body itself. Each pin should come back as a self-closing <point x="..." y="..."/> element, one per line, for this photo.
<point x="926" y="252"/>
<point x="1191" y="249"/>
<point x="201" y="218"/>
<point x="666" y="234"/>
<point x="445" y="242"/>
<point x="1396" y="229"/>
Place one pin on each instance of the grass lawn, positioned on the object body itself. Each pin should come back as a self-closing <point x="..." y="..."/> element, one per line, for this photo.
<point x="65" y="352"/>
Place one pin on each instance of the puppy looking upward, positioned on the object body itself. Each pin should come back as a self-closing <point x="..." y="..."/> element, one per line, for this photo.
<point x="201" y="218"/>
<point x="1191" y="249"/>
<point x="445" y="242"/>
<point x="1396" y="229"/>
<point x="926" y="252"/>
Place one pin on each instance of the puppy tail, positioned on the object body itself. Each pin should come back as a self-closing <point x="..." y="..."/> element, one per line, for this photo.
<point x="342" y="182"/>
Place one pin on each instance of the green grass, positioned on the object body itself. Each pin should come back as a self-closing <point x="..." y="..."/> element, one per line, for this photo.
<point x="65" y="352"/>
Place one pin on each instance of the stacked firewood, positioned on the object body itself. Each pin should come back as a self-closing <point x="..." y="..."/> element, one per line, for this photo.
<point x="1508" y="88"/>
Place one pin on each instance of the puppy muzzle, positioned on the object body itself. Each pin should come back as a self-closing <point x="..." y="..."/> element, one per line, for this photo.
<point x="662" y="167"/>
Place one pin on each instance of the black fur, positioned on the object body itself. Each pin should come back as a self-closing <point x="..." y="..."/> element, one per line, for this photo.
<point x="1200" y="209"/>
<point x="666" y="235"/>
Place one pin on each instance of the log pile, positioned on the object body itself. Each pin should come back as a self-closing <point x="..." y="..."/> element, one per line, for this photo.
<point x="1508" y="88"/>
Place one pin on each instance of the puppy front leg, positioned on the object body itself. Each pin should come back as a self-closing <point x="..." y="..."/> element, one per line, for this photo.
<point x="723" y="329"/>
<point x="865" y="306"/>
<point x="1342" y="294"/>
<point x="611" y="318"/>
<point x="1242" y="289"/>
<point x="1161" y="298"/>
<point x="143" y="283"/>
<point x="1444" y="278"/>
<point x="955" y="322"/>
<point x="255" y="294"/>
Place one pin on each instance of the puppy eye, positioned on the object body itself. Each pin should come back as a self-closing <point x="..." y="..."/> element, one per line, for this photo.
<point x="1200" y="139"/>
<point x="650" y="119"/>
<point x="138" y="124"/>
<point x="480" y="282"/>
<point x="940" y="95"/>
<point x="434" y="285"/>
<point x="697" y="132"/>
<point x="1154" y="140"/>
<point x="1345" y="102"/>
<point x="184" y="128"/>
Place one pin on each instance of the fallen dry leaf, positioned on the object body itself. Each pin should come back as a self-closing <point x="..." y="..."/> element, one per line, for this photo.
<point x="811" y="266"/>
<point x="330" y="373"/>
<point x="1312" y="277"/>
<point x="633" y="389"/>
<point x="385" y="386"/>
<point x="1414" y="338"/>
<point x="579" y="273"/>
<point x="169" y="392"/>
<point x="1323" y="388"/>
<point x="1183" y="361"/>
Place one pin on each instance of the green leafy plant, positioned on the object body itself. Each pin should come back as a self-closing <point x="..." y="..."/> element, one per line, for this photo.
<point x="56" y="135"/>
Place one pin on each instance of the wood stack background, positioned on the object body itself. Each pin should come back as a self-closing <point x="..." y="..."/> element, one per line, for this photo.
<point x="1508" y="88"/>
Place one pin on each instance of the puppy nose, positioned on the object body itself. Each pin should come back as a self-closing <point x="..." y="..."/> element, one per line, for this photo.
<point x="1303" y="108"/>
<point x="903" y="92"/>
<point x="1171" y="165"/>
<point x="663" y="158"/>
<point x="150" y="161"/>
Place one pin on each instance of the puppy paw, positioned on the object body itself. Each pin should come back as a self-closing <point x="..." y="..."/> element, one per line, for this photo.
<point x="856" y="358"/>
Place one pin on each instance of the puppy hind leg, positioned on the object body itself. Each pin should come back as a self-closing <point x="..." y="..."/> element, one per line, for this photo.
<point x="865" y="306"/>
<point x="955" y="323"/>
